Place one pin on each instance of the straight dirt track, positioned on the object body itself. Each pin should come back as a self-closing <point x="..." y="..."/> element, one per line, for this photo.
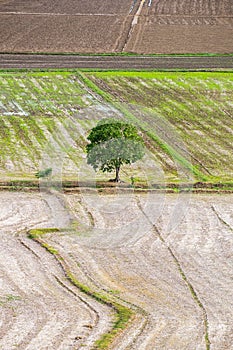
<point x="30" y="61"/>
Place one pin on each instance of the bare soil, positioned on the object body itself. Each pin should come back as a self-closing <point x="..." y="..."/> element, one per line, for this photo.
<point x="58" y="26"/>
<point x="116" y="26"/>
<point x="183" y="26"/>
<point x="149" y="38"/>
<point x="39" y="308"/>
<point x="168" y="257"/>
<point x="68" y="6"/>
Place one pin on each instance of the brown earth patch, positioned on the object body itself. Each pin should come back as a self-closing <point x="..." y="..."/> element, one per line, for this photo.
<point x="111" y="26"/>
<point x="163" y="38"/>
<point x="59" y="34"/>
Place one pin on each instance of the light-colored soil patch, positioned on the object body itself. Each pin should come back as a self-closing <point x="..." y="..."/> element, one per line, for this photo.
<point x="168" y="257"/>
<point x="40" y="309"/>
<point x="123" y="251"/>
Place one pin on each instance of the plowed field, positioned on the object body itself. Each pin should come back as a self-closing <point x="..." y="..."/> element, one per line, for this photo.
<point x="64" y="26"/>
<point x="140" y="26"/>
<point x="183" y="26"/>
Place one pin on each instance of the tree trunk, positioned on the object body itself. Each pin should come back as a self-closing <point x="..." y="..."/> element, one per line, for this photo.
<point x="117" y="179"/>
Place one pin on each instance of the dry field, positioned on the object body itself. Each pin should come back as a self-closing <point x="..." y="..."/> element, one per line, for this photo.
<point x="39" y="308"/>
<point x="140" y="26"/>
<point x="167" y="257"/>
<point x="179" y="26"/>
<point x="70" y="26"/>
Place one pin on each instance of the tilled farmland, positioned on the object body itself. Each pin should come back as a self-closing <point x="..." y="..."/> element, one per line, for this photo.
<point x="183" y="26"/>
<point x="172" y="271"/>
<point x="139" y="26"/>
<point x="70" y="26"/>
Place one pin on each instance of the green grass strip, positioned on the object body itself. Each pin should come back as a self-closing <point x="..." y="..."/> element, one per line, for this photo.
<point x="35" y="233"/>
<point x="123" y="313"/>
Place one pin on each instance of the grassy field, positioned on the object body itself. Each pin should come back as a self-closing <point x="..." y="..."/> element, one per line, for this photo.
<point x="185" y="119"/>
<point x="189" y="111"/>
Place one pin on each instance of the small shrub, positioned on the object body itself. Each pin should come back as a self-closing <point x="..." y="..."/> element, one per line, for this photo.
<point x="44" y="173"/>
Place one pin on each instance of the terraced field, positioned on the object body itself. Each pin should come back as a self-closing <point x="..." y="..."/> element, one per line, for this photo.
<point x="186" y="120"/>
<point x="140" y="26"/>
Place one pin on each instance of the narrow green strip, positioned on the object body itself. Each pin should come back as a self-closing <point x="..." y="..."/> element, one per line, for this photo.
<point x="123" y="313"/>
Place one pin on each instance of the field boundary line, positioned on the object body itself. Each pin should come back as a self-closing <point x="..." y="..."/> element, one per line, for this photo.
<point x="220" y="218"/>
<point x="184" y="277"/>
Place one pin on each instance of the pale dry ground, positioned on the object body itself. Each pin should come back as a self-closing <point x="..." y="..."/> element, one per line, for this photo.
<point x="39" y="308"/>
<point x="147" y="251"/>
<point x="150" y="250"/>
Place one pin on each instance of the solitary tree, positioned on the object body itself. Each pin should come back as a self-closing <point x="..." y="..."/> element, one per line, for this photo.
<point x="113" y="143"/>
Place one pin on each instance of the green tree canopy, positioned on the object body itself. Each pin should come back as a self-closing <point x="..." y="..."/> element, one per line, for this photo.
<point x="112" y="144"/>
